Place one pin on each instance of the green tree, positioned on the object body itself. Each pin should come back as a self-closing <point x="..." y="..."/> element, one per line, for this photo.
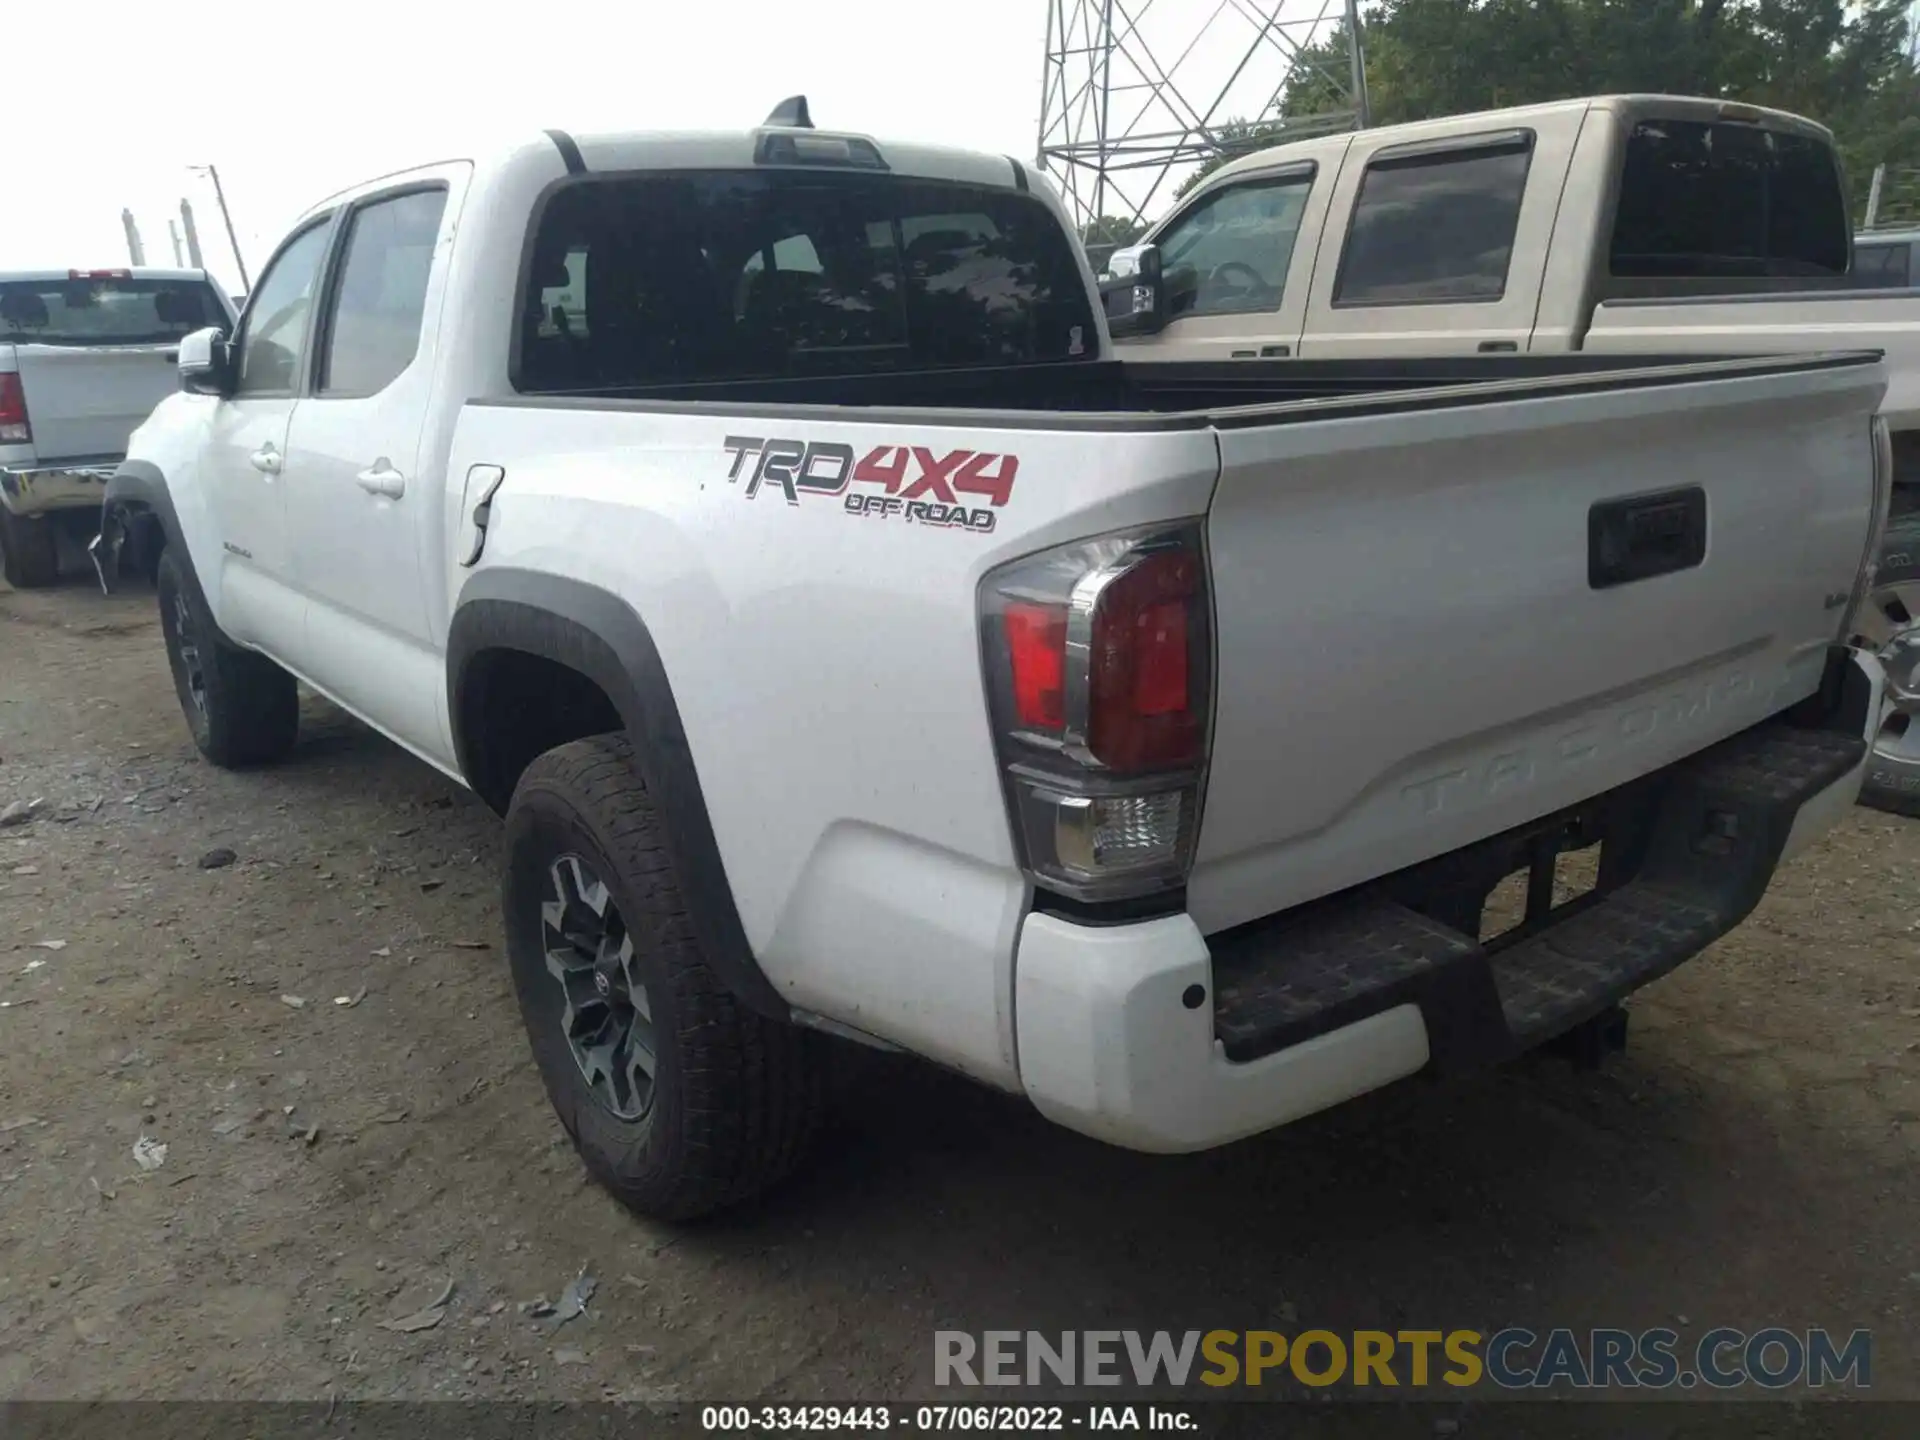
<point x="1111" y="231"/>
<point x="1845" y="63"/>
<point x="1236" y="138"/>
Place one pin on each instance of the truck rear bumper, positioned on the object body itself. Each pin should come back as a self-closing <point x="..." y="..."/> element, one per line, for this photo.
<point x="1154" y="1037"/>
<point x="68" y="485"/>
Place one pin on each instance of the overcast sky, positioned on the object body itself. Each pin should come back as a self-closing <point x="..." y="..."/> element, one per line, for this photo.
<point x="109" y="102"/>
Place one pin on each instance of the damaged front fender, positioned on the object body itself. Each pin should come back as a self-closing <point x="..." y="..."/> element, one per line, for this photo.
<point x="137" y="521"/>
<point x="104" y="549"/>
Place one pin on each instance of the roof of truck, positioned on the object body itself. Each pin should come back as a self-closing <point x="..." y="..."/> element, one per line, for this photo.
<point x="123" y="272"/>
<point x="612" y="151"/>
<point x="1676" y="106"/>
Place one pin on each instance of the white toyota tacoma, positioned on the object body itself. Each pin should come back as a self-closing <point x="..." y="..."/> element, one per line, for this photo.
<point x="762" y="524"/>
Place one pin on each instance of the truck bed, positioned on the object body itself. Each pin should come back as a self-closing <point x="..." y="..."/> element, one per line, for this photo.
<point x="1415" y="645"/>
<point x="1776" y="323"/>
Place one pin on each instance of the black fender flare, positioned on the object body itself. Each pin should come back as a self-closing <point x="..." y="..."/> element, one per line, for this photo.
<point x="139" y="487"/>
<point x="598" y="635"/>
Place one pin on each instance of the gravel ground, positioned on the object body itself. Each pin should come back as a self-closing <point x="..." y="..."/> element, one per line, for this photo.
<point x="323" y="1036"/>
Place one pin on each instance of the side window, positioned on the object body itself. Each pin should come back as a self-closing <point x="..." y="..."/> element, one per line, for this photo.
<point x="373" y="328"/>
<point x="791" y="255"/>
<point x="561" y="309"/>
<point x="274" y="336"/>
<point x="1230" y="253"/>
<point x="1435" y="226"/>
<point x="1881" y="267"/>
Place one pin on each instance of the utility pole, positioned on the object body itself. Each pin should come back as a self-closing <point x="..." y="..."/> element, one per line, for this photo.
<point x="193" y="236"/>
<point x="173" y="234"/>
<point x="1874" y="188"/>
<point x="136" y="253"/>
<point x="1362" y="112"/>
<point x="233" y="241"/>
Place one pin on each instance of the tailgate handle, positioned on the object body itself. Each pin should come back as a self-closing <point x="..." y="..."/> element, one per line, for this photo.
<point x="1645" y="535"/>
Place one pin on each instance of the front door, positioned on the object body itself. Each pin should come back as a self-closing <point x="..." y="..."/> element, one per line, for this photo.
<point x="255" y="598"/>
<point x="363" y="518"/>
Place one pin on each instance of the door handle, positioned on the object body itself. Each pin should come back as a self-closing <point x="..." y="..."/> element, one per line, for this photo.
<point x="382" y="479"/>
<point x="1499" y="347"/>
<point x="266" y="459"/>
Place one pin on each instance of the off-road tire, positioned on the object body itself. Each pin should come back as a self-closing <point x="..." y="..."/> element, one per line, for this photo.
<point x="1893" y="777"/>
<point x="29" y="550"/>
<point x="248" y="708"/>
<point x="736" y="1097"/>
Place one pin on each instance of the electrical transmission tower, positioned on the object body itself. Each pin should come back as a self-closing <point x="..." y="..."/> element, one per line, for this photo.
<point x="1137" y="93"/>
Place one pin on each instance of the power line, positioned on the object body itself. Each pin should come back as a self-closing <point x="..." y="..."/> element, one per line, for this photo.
<point x="1134" y="93"/>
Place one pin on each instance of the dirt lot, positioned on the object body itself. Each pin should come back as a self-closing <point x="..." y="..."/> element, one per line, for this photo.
<point x="1751" y="1160"/>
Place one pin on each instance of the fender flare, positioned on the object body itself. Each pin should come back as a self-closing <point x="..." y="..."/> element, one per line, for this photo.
<point x="597" y="634"/>
<point x="140" y="487"/>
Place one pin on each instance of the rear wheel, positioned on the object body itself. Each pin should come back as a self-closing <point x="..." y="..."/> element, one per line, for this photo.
<point x="1889" y="623"/>
<point x="241" y="707"/>
<point x="29" y="550"/>
<point x="678" y="1098"/>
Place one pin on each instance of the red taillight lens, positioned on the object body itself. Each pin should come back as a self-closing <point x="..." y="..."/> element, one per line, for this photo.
<point x="1141" y="710"/>
<point x="1099" y="667"/>
<point x="14" y="429"/>
<point x="1037" y="652"/>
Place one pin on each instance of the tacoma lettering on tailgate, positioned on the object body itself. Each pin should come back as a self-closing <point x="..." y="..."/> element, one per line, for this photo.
<point x="913" y="483"/>
<point x="1524" y="765"/>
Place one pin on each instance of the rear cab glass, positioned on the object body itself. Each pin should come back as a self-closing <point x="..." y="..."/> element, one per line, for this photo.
<point x="703" y="276"/>
<point x="101" y="310"/>
<point x="1724" y="200"/>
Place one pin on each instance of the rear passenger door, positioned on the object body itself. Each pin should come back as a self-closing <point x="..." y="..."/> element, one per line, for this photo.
<point x="363" y="515"/>
<point x="1443" y="244"/>
<point x="1236" y="263"/>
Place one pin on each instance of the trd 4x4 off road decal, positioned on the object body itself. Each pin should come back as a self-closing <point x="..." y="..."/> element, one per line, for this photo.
<point x="914" y="483"/>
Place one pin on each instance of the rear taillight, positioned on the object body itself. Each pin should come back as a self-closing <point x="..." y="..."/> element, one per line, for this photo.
<point x="14" y="429"/>
<point x="1099" y="666"/>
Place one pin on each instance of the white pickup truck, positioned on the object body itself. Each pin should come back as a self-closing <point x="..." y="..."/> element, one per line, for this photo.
<point x="1622" y="224"/>
<point x="761" y="523"/>
<point x="84" y="356"/>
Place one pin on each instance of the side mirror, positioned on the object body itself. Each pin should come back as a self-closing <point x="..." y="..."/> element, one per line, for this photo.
<point x="1136" y="304"/>
<point x="206" y="362"/>
<point x="1123" y="262"/>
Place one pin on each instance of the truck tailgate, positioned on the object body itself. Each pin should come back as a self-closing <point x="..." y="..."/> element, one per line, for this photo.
<point x="1431" y="628"/>
<point x="1804" y="323"/>
<point x="85" y="400"/>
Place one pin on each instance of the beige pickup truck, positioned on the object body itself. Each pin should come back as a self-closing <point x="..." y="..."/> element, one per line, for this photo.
<point x="1624" y="224"/>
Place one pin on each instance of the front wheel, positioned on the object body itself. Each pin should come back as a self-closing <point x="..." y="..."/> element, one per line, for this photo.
<point x="679" y="1099"/>
<point x="241" y="707"/>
